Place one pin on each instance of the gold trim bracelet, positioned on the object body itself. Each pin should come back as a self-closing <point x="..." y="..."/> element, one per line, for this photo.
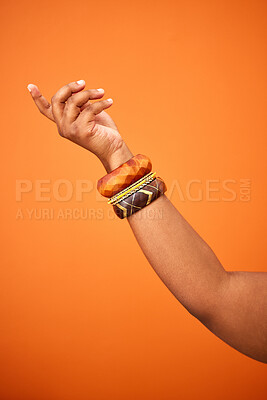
<point x="132" y="188"/>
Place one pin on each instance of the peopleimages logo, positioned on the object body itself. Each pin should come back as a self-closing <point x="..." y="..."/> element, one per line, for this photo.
<point x="79" y="193"/>
<point x="61" y="190"/>
<point x="227" y="190"/>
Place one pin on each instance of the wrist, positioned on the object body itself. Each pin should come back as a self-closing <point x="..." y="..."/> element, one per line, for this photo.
<point x="118" y="157"/>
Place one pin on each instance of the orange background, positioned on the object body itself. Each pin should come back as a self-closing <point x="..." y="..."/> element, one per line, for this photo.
<point x="83" y="315"/>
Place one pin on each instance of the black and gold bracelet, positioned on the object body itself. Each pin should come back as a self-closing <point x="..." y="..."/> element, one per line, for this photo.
<point x="140" y="198"/>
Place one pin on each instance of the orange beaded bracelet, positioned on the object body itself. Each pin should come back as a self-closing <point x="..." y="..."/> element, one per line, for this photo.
<point x="123" y="176"/>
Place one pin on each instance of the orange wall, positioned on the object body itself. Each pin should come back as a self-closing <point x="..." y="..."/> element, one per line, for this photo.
<point x="83" y="315"/>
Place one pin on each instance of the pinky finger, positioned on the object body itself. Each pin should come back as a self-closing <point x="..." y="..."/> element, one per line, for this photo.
<point x="98" y="106"/>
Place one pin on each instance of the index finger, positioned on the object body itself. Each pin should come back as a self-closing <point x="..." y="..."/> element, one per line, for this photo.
<point x="42" y="104"/>
<point x="62" y="95"/>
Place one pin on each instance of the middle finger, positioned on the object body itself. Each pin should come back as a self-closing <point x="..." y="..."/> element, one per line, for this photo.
<point x="62" y="95"/>
<point x="75" y="103"/>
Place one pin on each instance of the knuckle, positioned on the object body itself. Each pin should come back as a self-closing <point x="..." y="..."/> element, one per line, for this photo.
<point x="64" y="134"/>
<point x="44" y="109"/>
<point x="74" y="130"/>
<point x="91" y="92"/>
<point x="71" y="100"/>
<point x="47" y="106"/>
<point x="69" y="87"/>
<point x="95" y="106"/>
<point x="87" y="111"/>
<point x="61" y="130"/>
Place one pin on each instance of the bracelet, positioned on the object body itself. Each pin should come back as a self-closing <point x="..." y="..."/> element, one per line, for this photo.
<point x="140" y="199"/>
<point x="132" y="188"/>
<point x="124" y="175"/>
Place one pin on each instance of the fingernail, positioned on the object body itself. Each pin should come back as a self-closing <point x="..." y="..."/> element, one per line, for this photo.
<point x="80" y="82"/>
<point x="100" y="90"/>
<point x="30" y="86"/>
<point x="110" y="100"/>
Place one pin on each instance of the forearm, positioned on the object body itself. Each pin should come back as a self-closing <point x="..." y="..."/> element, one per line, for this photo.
<point x="232" y="305"/>
<point x="180" y="257"/>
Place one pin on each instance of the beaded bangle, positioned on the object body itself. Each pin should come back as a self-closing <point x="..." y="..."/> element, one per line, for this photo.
<point x="123" y="176"/>
<point x="140" y="199"/>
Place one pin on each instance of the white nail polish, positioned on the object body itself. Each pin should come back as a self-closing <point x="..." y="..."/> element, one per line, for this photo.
<point x="100" y="90"/>
<point x="80" y="82"/>
<point x="30" y="86"/>
<point x="110" y="100"/>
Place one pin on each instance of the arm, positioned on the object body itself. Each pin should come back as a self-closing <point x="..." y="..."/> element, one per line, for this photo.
<point x="232" y="305"/>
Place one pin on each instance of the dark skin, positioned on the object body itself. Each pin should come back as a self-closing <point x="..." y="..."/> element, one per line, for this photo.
<point x="232" y="305"/>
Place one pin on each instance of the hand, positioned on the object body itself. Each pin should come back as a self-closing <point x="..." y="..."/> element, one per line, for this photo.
<point x="85" y="123"/>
